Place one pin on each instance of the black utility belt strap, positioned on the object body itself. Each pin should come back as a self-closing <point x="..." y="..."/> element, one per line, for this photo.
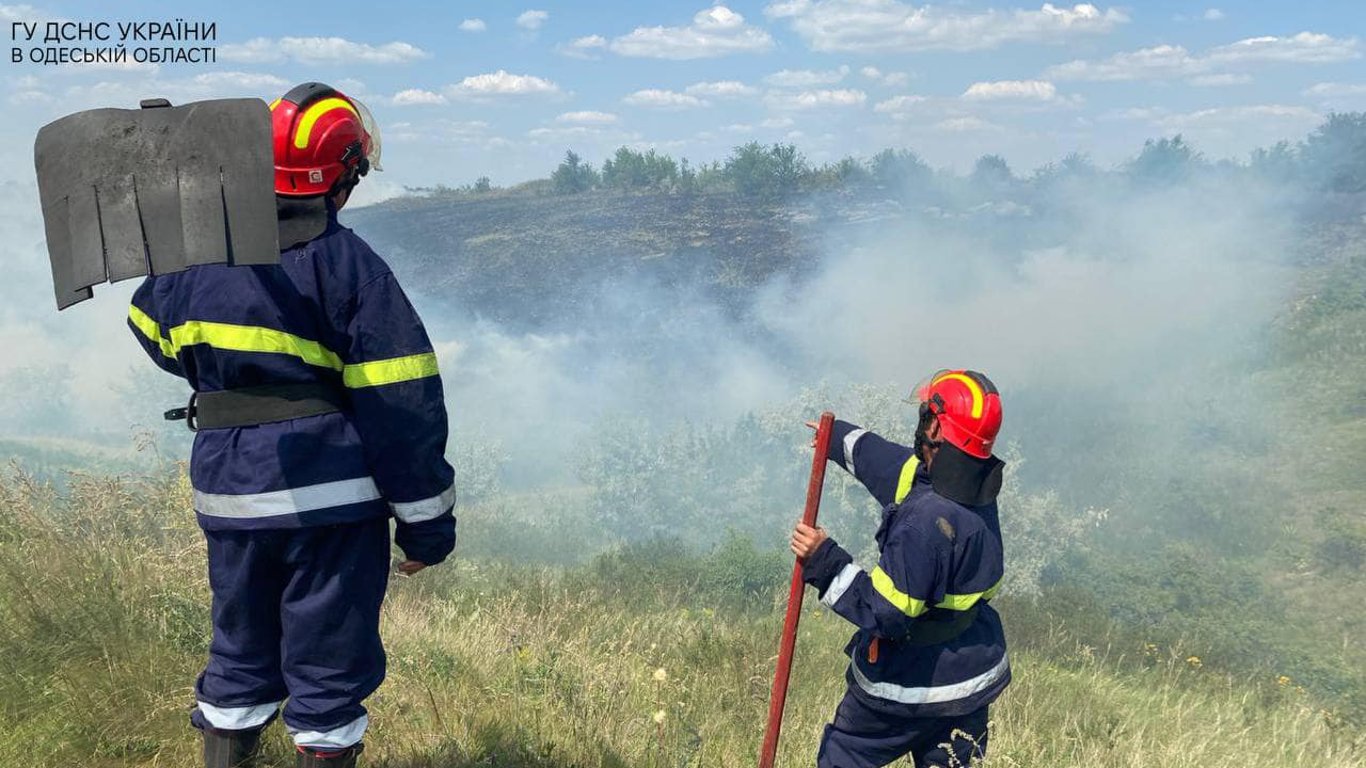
<point x="939" y="632"/>
<point x="249" y="406"/>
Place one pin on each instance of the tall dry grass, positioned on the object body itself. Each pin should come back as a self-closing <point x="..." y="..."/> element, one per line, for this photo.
<point x="104" y="622"/>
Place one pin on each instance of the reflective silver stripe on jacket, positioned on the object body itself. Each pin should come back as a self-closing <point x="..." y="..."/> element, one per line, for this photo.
<point x="932" y="694"/>
<point x="425" y="509"/>
<point x="840" y="583"/>
<point x="851" y="440"/>
<point x="289" y="501"/>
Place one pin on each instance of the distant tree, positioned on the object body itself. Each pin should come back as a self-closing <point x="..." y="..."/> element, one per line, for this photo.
<point x="632" y="169"/>
<point x="573" y="175"/>
<point x="847" y="173"/>
<point x="789" y="166"/>
<point x="898" y="169"/>
<point x="992" y="170"/>
<point x="1334" y="155"/>
<point x="1164" y="161"/>
<point x="1074" y="166"/>
<point x="766" y="173"/>
<point x="1077" y="164"/>
<point x="1279" y="163"/>
<point x="483" y="185"/>
<point x="687" y="177"/>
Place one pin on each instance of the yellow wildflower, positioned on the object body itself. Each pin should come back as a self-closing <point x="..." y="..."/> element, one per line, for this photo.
<point x="660" y="675"/>
<point x="659" y="717"/>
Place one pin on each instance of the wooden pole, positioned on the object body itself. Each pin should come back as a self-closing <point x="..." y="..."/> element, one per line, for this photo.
<point x="794" y="598"/>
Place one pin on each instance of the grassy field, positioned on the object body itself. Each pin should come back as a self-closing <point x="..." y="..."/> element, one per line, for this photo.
<point x="642" y="657"/>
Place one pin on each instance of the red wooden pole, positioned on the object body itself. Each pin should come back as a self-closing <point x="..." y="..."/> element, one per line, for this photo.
<point x="794" y="598"/>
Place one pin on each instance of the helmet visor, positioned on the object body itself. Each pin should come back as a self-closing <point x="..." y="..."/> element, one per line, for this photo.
<point x="920" y="393"/>
<point x="367" y="121"/>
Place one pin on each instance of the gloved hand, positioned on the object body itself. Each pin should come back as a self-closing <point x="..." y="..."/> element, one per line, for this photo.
<point x="425" y="543"/>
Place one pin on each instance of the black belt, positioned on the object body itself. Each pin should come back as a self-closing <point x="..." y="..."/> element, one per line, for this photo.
<point x="249" y="406"/>
<point x="939" y="632"/>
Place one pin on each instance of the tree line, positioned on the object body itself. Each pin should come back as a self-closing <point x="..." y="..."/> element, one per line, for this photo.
<point x="1331" y="158"/>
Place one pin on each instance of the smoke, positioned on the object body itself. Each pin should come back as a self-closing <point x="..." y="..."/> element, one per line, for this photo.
<point x="1095" y="302"/>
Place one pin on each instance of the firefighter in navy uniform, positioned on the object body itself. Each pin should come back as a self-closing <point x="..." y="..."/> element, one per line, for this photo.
<point x="929" y="655"/>
<point x="320" y="415"/>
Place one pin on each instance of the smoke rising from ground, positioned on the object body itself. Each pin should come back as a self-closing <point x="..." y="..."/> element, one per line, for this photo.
<point x="1096" y="289"/>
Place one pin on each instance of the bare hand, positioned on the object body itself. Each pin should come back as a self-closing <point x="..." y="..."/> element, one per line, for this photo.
<point x="410" y="567"/>
<point x="806" y="540"/>
<point x="815" y="427"/>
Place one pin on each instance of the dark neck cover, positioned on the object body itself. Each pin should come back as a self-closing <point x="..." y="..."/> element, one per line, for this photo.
<point x="301" y="219"/>
<point x="968" y="480"/>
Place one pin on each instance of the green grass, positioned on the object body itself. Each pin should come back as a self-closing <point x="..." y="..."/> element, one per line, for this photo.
<point x="104" y="623"/>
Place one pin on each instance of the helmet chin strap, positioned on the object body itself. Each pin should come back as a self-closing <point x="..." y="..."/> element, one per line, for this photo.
<point x="923" y="444"/>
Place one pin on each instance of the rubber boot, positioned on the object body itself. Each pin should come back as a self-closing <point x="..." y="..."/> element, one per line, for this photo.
<point x="329" y="758"/>
<point x="231" y="749"/>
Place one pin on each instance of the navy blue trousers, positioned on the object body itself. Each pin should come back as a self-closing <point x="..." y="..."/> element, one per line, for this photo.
<point x="862" y="737"/>
<point x="295" y="616"/>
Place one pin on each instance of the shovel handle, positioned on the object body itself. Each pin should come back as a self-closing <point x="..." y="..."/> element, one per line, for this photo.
<point x="788" y="643"/>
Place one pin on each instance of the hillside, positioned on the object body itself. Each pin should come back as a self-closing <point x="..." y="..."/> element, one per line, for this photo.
<point x="525" y="260"/>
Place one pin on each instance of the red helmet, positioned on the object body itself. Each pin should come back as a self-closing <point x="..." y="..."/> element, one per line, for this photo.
<point x="322" y="137"/>
<point x="968" y="407"/>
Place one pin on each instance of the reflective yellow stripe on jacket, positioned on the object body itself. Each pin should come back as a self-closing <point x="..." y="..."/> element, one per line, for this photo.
<point x="251" y="338"/>
<point x="906" y="479"/>
<point x="914" y="607"/>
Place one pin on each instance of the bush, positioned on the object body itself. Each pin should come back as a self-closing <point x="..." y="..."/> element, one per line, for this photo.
<point x="1164" y="161"/>
<point x="573" y="175"/>
<point x="766" y="173"/>
<point x="630" y="169"/>
<point x="899" y="169"/>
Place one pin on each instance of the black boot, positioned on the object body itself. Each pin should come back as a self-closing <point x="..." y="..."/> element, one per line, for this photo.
<point x="231" y="749"/>
<point x="329" y="758"/>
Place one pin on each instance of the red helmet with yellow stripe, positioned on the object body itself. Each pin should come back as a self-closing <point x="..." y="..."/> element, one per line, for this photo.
<point x="968" y="407"/>
<point x="324" y="140"/>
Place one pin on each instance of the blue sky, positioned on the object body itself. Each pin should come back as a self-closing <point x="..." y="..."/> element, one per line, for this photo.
<point x="502" y="89"/>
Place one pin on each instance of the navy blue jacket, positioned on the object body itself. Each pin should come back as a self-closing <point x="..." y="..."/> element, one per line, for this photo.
<point x="928" y="641"/>
<point x="330" y="312"/>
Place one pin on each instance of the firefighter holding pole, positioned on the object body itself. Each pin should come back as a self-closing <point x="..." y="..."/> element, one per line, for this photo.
<point x="929" y="654"/>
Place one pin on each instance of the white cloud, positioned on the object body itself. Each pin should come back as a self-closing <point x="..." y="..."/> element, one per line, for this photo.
<point x="242" y="81"/>
<point x="721" y="89"/>
<point x="656" y="98"/>
<point x="806" y="78"/>
<point x="716" y="31"/>
<point x="1213" y="14"/>
<point x="817" y="99"/>
<point x="1220" y="80"/>
<point x="473" y="25"/>
<point x="966" y="125"/>
<point x="899" y="104"/>
<point x="415" y="96"/>
<point x="889" y="79"/>
<point x="1304" y="48"/>
<point x="587" y="117"/>
<point x="1224" y="121"/>
<point x="319" y="50"/>
<point x="532" y="19"/>
<point x="894" y="26"/>
<point x="1335" y="90"/>
<point x="1156" y="63"/>
<point x="1164" y="62"/>
<point x="586" y="47"/>
<point x="502" y="83"/>
<point x="1028" y="90"/>
<point x="442" y="131"/>
<point x="1234" y="116"/>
